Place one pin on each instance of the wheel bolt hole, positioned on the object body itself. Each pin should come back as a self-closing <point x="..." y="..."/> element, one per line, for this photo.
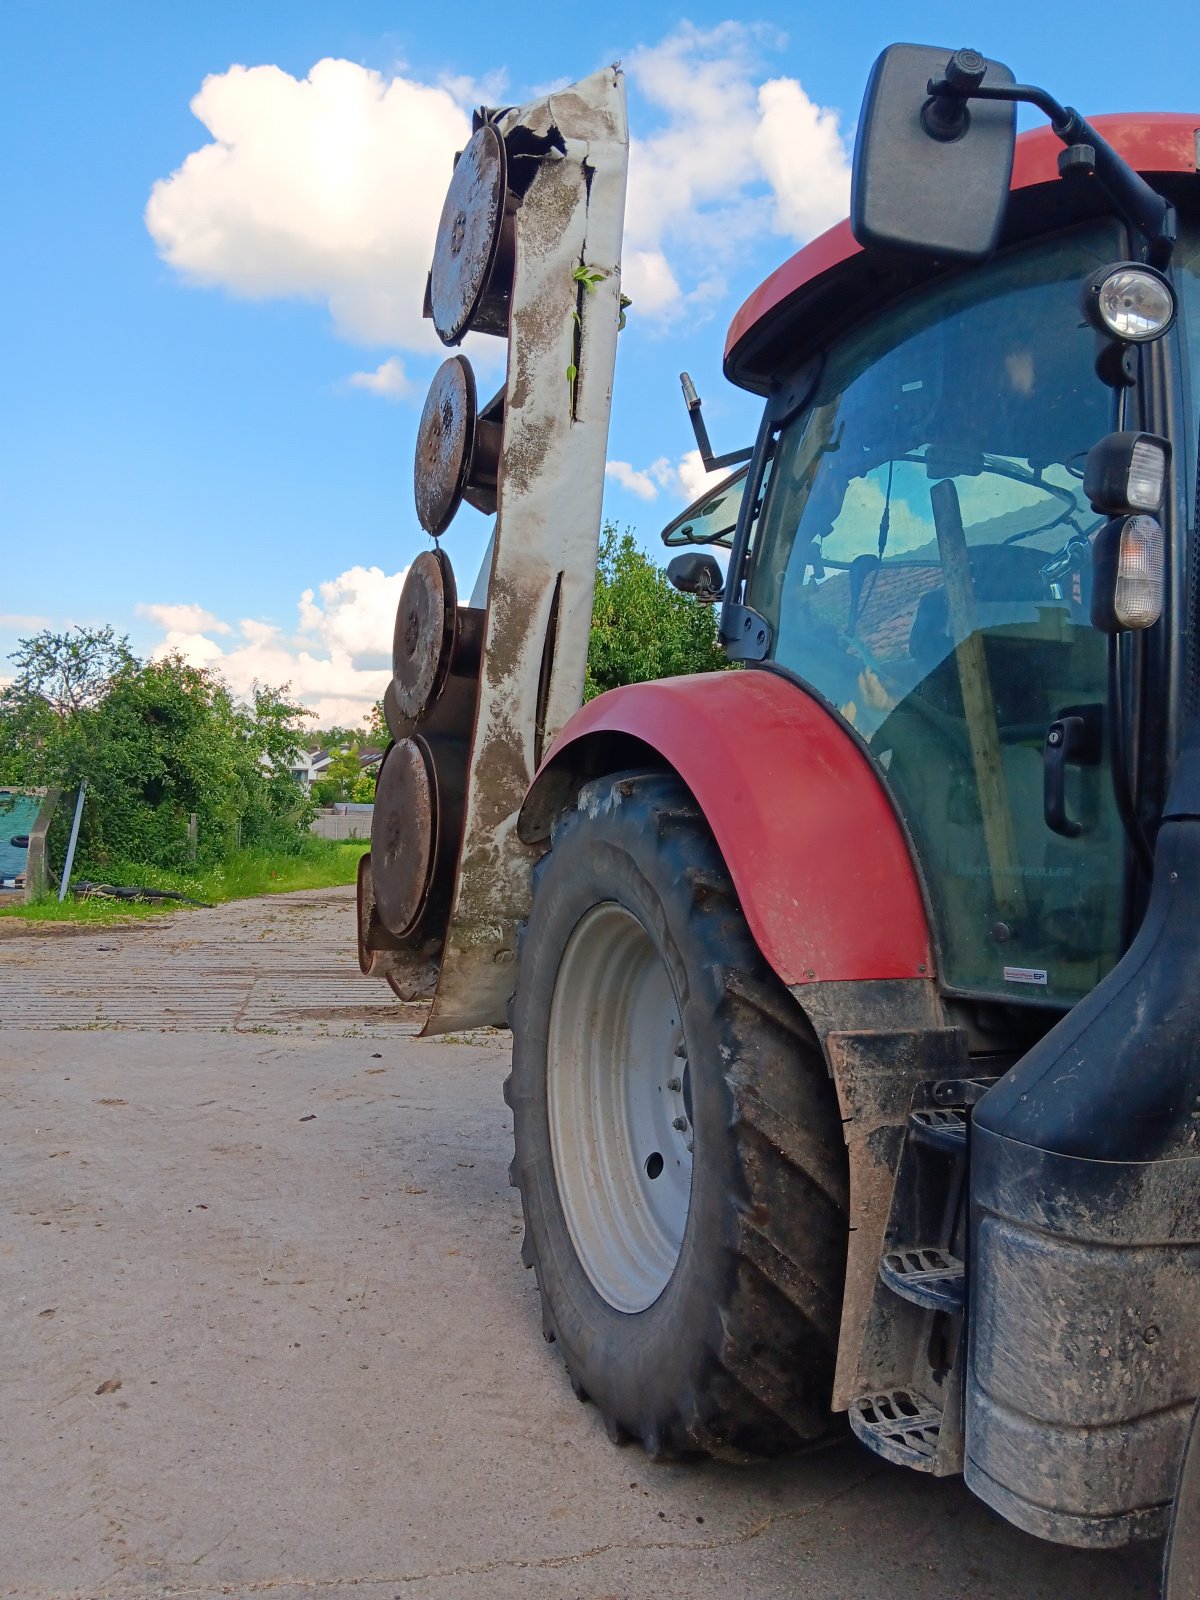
<point x="654" y="1165"/>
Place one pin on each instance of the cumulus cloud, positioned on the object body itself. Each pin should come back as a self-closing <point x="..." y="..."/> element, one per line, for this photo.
<point x="799" y="147"/>
<point x="733" y="158"/>
<point x="640" y="483"/>
<point x="684" y="480"/>
<point x="327" y="187"/>
<point x="21" y="620"/>
<point x="337" y="660"/>
<point x="183" y="619"/>
<point x="490" y="90"/>
<point x="647" y="279"/>
<point x="389" y="380"/>
<point x="694" y="477"/>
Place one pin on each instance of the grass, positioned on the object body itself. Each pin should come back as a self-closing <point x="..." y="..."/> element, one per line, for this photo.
<point x="322" y="864"/>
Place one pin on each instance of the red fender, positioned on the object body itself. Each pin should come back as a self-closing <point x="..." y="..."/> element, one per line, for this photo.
<point x="820" y="863"/>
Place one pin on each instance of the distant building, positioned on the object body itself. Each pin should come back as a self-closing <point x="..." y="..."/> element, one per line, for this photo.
<point x="311" y="765"/>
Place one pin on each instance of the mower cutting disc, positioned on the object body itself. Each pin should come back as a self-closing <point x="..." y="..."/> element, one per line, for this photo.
<point x="468" y="236"/>
<point x="423" y="641"/>
<point x="445" y="445"/>
<point x="398" y="725"/>
<point x="366" y="909"/>
<point x="403" y="834"/>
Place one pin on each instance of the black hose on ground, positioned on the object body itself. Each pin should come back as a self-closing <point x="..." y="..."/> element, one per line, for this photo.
<point x="87" y="890"/>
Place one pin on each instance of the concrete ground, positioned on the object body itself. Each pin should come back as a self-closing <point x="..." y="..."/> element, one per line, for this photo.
<point x="266" y="1332"/>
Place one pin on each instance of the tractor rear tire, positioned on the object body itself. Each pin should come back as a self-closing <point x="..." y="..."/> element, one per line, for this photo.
<point x="679" y="1150"/>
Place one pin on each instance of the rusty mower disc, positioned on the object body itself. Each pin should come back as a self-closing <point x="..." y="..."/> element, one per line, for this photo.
<point x="445" y="445"/>
<point x="403" y="834"/>
<point x="423" y="641"/>
<point x="468" y="236"/>
<point x="398" y="725"/>
<point x="366" y="909"/>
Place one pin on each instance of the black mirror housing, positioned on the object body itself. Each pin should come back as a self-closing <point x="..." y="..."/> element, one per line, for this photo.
<point x="915" y="188"/>
<point x="696" y="572"/>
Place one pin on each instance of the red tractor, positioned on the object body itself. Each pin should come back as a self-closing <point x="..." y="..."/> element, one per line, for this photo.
<point x="855" y="995"/>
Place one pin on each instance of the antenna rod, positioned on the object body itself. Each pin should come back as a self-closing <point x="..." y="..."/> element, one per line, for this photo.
<point x="693" y="402"/>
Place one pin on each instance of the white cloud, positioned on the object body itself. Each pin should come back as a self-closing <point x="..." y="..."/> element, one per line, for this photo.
<point x="183" y="619"/>
<point x="490" y="90"/>
<point x="639" y="483"/>
<point x="799" y="146"/>
<point x="389" y="380"/>
<point x="684" y="480"/>
<point x="338" y="661"/>
<point x="327" y="187"/>
<point x="733" y="158"/>
<point x="21" y="620"/>
<point x="694" y="478"/>
<point x="647" y="279"/>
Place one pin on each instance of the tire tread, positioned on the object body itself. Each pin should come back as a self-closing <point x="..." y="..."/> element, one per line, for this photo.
<point x="763" y="1386"/>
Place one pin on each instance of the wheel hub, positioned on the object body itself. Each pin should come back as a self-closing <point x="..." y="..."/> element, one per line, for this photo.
<point x="620" y="1107"/>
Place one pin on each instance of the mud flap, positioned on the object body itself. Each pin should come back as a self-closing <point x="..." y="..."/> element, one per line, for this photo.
<point x="1181" y="1577"/>
<point x="1085" y="1242"/>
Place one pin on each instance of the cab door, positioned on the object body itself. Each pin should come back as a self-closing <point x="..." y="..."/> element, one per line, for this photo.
<point x="923" y="561"/>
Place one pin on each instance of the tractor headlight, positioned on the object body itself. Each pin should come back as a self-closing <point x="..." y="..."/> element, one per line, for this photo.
<point x="1129" y="302"/>
<point x="1127" y="580"/>
<point x="1127" y="472"/>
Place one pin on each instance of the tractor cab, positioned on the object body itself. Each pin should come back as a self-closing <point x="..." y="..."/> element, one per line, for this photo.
<point x="916" y="548"/>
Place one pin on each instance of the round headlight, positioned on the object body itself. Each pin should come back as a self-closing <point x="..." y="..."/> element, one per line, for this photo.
<point x="1131" y="302"/>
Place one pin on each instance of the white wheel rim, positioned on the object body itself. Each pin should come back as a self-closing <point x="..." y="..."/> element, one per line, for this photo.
<point x="619" y="1101"/>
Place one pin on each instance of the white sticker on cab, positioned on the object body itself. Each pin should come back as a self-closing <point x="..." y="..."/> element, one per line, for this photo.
<point x="1025" y="975"/>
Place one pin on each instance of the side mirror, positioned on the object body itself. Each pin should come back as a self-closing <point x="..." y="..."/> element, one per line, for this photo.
<point x="696" y="572"/>
<point x="931" y="174"/>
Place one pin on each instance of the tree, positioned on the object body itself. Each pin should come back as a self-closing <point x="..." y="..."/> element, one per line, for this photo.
<point x="158" y="741"/>
<point x="642" y="628"/>
<point x="340" y="777"/>
<point x="335" y="737"/>
<point x="363" y="789"/>
<point x="378" y="733"/>
<point x="71" y="670"/>
<point x="58" y="677"/>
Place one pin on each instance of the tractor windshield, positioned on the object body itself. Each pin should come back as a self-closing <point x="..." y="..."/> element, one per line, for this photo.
<point x="923" y="559"/>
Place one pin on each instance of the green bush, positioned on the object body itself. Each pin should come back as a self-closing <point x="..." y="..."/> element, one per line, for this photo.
<point x="642" y="628"/>
<point x="158" y="742"/>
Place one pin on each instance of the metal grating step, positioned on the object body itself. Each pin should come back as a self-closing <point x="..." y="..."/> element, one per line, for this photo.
<point x="926" y="1275"/>
<point x="899" y="1426"/>
<point x="942" y="1129"/>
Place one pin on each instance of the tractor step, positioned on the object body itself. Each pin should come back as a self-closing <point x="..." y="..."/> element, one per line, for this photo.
<point x="926" y="1275"/>
<point x="941" y="1129"/>
<point x="899" y="1426"/>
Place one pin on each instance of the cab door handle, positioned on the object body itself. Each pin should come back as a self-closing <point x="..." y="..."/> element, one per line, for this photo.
<point x="1065" y="740"/>
<point x="1074" y="739"/>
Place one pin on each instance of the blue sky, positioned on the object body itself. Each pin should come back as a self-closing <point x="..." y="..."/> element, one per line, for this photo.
<point x="188" y="460"/>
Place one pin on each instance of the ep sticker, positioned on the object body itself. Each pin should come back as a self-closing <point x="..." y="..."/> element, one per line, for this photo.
<point x="1025" y="975"/>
